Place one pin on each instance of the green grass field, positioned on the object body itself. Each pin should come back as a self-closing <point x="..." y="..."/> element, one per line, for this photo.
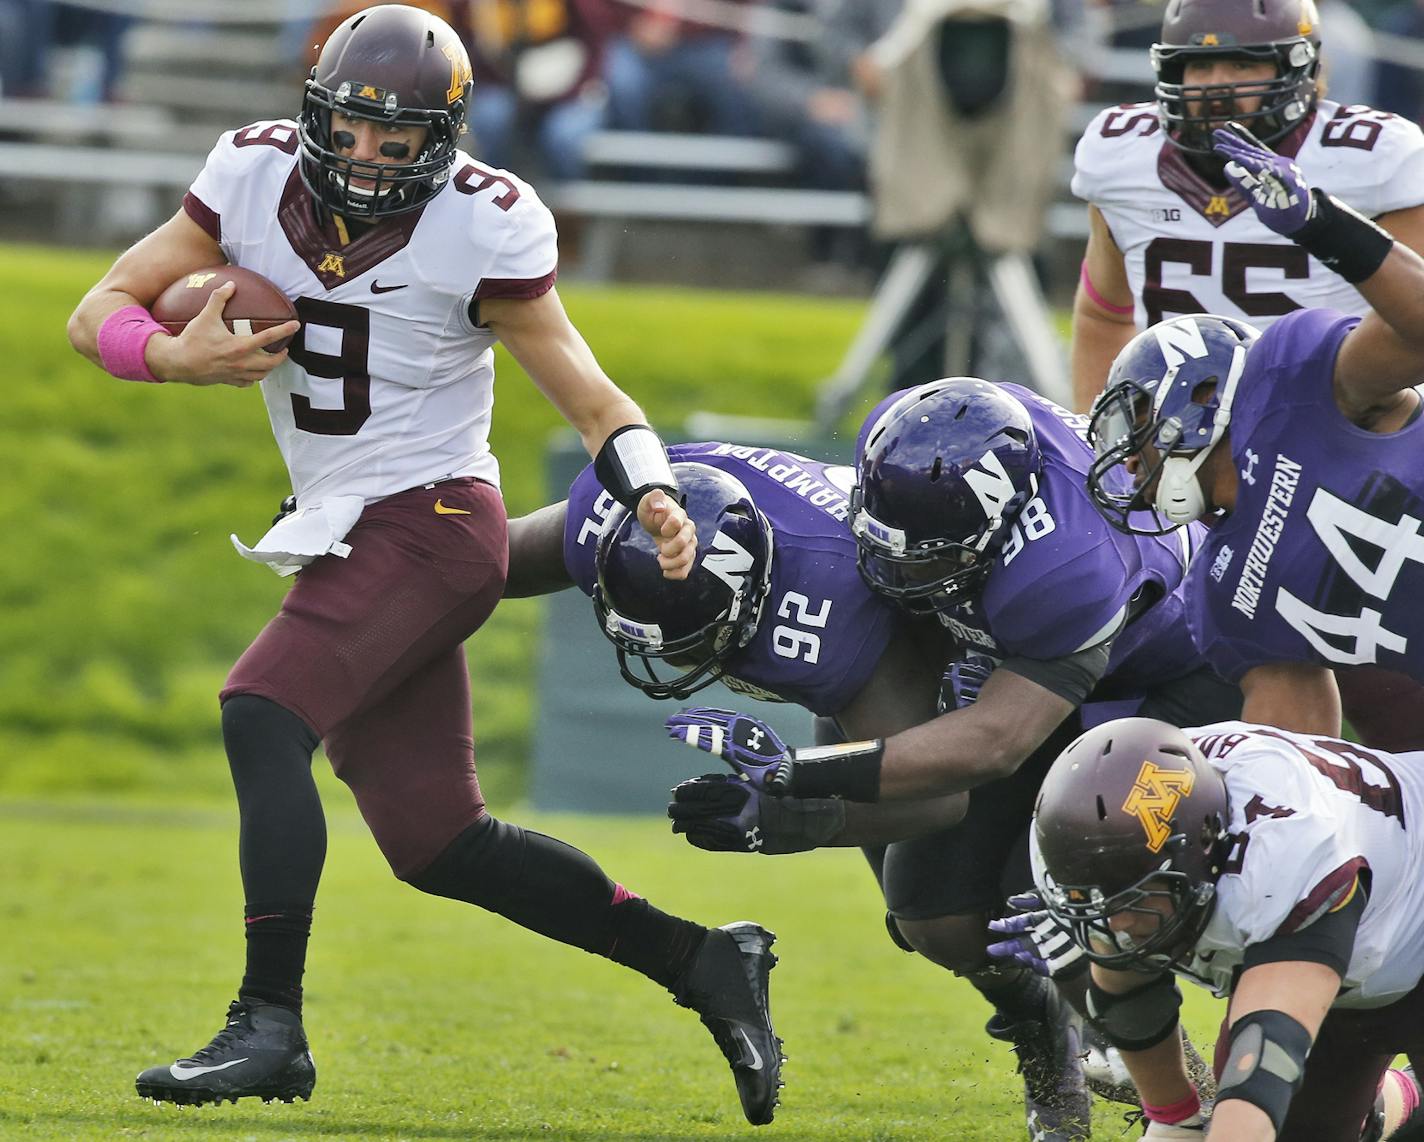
<point x="123" y="606"/>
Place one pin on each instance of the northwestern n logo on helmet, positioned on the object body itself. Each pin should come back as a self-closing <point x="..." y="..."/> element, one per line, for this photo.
<point x="729" y="561"/>
<point x="991" y="484"/>
<point x="1179" y="340"/>
<point x="1153" y="800"/>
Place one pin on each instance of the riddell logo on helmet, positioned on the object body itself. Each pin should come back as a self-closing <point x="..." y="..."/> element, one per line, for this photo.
<point x="1153" y="800"/>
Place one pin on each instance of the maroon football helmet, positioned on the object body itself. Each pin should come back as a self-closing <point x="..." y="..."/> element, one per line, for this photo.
<point x="390" y="64"/>
<point x="1129" y="812"/>
<point x="1284" y="32"/>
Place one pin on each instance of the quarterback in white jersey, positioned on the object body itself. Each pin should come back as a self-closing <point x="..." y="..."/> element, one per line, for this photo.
<point x="1280" y="870"/>
<point x="387" y="353"/>
<point x="1169" y="235"/>
<point x="405" y="261"/>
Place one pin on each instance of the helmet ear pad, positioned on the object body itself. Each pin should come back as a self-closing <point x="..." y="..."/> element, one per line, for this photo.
<point x="694" y="625"/>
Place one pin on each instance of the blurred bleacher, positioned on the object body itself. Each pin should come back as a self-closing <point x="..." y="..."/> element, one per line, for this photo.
<point x="720" y="211"/>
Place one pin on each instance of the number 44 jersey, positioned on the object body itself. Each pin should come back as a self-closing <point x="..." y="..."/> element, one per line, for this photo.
<point x="1322" y="557"/>
<point x="388" y="384"/>
<point x="1193" y="247"/>
<point x="822" y="631"/>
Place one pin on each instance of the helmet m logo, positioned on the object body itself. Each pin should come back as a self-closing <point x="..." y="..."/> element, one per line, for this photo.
<point x="1179" y="340"/>
<point x="729" y="561"/>
<point x="459" y="69"/>
<point x="1153" y="800"/>
<point x="991" y="485"/>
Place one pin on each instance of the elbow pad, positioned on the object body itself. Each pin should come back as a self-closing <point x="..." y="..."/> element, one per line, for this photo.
<point x="1138" y="1019"/>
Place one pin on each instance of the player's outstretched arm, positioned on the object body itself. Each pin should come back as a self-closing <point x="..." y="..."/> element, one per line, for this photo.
<point x="1384" y="355"/>
<point x="558" y="360"/>
<point x="1102" y="313"/>
<point x="536" y="553"/>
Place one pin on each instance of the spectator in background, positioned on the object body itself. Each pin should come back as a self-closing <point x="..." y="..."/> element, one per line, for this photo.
<point x="31" y="30"/>
<point x="1399" y="87"/>
<point x="538" y="66"/>
<point x="661" y="57"/>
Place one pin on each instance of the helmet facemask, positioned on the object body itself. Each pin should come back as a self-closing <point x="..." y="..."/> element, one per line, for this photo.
<point x="1286" y="99"/>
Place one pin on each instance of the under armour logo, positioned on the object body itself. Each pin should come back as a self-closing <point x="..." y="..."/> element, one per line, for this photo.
<point x="754" y="840"/>
<point x="1248" y="472"/>
<point x="755" y="737"/>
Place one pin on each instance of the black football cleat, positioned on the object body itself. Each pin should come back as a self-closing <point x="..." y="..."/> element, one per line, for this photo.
<point x="261" y="1053"/>
<point x="726" y="985"/>
<point x="1057" y="1102"/>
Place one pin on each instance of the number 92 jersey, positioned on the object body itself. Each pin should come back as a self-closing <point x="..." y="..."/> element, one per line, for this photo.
<point x="822" y="631"/>
<point x="388" y="385"/>
<point x="1322" y="559"/>
<point x="1191" y="247"/>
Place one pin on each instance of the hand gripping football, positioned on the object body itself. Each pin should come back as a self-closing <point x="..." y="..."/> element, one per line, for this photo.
<point x="256" y="305"/>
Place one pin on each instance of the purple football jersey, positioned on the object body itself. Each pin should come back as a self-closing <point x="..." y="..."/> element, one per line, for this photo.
<point x="1322" y="559"/>
<point x="822" y="632"/>
<point x="1065" y="580"/>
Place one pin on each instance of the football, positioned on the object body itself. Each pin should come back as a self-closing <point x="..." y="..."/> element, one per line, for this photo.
<point x="256" y="305"/>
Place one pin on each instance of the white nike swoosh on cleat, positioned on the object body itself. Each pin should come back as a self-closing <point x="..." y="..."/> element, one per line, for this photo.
<point x="182" y="1074"/>
<point x="755" y="1064"/>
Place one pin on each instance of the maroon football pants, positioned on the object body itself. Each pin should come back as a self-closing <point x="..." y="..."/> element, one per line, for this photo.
<point x="368" y="651"/>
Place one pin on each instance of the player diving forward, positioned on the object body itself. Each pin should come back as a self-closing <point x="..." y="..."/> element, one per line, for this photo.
<point x="775" y="606"/>
<point x="1279" y="869"/>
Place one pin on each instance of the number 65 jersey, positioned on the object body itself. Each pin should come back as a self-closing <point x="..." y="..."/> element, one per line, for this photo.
<point x="822" y="632"/>
<point x="1322" y="558"/>
<point x="1192" y="247"/>
<point x="388" y="384"/>
<point x="1311" y="820"/>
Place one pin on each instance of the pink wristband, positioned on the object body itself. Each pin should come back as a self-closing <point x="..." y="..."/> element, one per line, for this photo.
<point x="1176" y="1112"/>
<point x="122" y="339"/>
<point x="1095" y="295"/>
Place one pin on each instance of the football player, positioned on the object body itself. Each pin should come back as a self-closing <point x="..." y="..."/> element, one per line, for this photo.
<point x="1170" y="234"/>
<point x="775" y="607"/>
<point x="1279" y="869"/>
<point x="971" y="507"/>
<point x="1305" y="440"/>
<point x="405" y="261"/>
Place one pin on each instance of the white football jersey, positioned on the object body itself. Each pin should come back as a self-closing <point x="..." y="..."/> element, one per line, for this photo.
<point x="1309" y="815"/>
<point x="388" y="385"/>
<point x="1191" y="248"/>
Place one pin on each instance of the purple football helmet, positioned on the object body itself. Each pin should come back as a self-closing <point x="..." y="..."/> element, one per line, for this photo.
<point x="695" y="624"/>
<point x="1172" y="387"/>
<point x="392" y="64"/>
<point x="940" y="475"/>
<point x="1129" y="815"/>
<point x="1283" y="32"/>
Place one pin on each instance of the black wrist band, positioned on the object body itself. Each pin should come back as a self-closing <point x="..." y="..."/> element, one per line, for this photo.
<point x="1342" y="239"/>
<point x="631" y="463"/>
<point x="850" y="771"/>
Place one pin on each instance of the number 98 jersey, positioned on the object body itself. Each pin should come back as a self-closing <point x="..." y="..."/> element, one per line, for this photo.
<point x="388" y="384"/>
<point x="1192" y="247"/>
<point x="822" y="631"/>
<point x="1322" y="558"/>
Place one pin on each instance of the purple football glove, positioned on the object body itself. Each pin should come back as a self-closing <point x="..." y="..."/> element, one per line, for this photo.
<point x="750" y="746"/>
<point x="960" y="686"/>
<point x="1272" y="183"/>
<point x="722" y="812"/>
<point x="1036" y="939"/>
